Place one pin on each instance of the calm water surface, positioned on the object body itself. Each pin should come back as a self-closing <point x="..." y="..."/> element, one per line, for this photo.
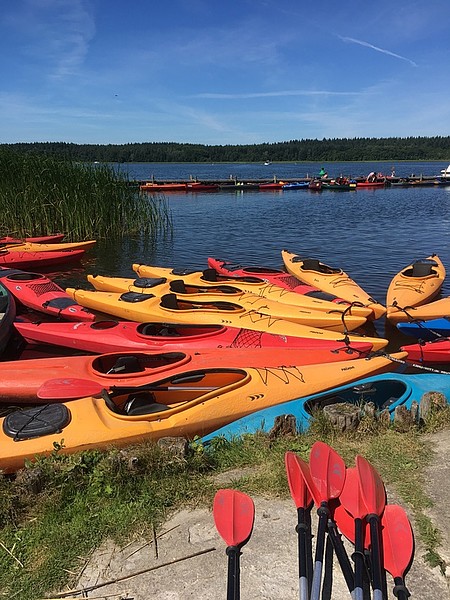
<point x="370" y="234"/>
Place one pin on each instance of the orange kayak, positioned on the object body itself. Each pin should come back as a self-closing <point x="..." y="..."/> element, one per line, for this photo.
<point x="188" y="404"/>
<point x="331" y="280"/>
<point x="415" y="285"/>
<point x="21" y="380"/>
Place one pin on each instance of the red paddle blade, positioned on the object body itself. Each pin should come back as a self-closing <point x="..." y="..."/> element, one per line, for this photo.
<point x="350" y="497"/>
<point x="398" y="540"/>
<point x="68" y="389"/>
<point x="234" y="514"/>
<point x="371" y="486"/>
<point x="327" y="471"/>
<point x="299" y="490"/>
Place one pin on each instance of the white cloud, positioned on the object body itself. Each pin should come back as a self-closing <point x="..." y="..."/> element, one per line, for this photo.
<point x="376" y="48"/>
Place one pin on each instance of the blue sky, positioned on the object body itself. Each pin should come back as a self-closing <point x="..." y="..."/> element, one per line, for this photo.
<point x="229" y="72"/>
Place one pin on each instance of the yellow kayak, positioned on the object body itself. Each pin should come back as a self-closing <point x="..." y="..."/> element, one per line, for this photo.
<point x="187" y="404"/>
<point x="336" y="321"/>
<point x="34" y="247"/>
<point x="438" y="309"/>
<point x="170" y="309"/>
<point x="415" y="285"/>
<point x="330" y="279"/>
<point x="253" y="285"/>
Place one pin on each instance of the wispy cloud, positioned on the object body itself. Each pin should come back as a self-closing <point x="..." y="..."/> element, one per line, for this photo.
<point x="277" y="94"/>
<point x="377" y="49"/>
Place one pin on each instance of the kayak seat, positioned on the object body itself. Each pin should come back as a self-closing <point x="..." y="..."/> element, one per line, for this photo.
<point x="209" y="275"/>
<point x="143" y="403"/>
<point x="36" y="422"/>
<point x="312" y="264"/>
<point x="126" y="364"/>
<point x="23" y="276"/>
<point x="169" y="301"/>
<point x="149" y="282"/>
<point x="158" y="330"/>
<point x="183" y="271"/>
<point x="177" y="286"/>
<point x="422" y="268"/>
<point x="59" y="303"/>
<point x="135" y="297"/>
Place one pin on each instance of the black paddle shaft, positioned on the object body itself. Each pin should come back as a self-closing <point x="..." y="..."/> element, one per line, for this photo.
<point x="304" y="538"/>
<point x="400" y="590"/>
<point x="377" y="575"/>
<point x="233" y="582"/>
<point x="341" y="555"/>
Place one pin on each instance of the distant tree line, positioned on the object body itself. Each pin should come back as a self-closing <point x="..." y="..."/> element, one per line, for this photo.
<point x="343" y="149"/>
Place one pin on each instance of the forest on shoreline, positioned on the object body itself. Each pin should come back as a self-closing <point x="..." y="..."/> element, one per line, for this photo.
<point x="345" y="149"/>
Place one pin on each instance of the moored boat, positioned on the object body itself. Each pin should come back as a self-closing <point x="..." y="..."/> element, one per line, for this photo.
<point x="25" y="381"/>
<point x="335" y="321"/>
<point x="188" y="404"/>
<point x="271" y="275"/>
<point x="125" y="336"/>
<point x="42" y="239"/>
<point x="331" y="280"/>
<point x="426" y="330"/>
<point x="384" y="391"/>
<point x="7" y="316"/>
<point x="38" y="292"/>
<point x="416" y="284"/>
<point x="253" y="284"/>
<point x="429" y="352"/>
<point x="36" y="260"/>
<point x="163" y="187"/>
<point x="170" y="309"/>
<point x="437" y="309"/>
<point x="53" y="247"/>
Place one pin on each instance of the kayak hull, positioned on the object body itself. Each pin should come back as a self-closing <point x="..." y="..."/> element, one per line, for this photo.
<point x="415" y="285"/>
<point x="36" y="260"/>
<point x="335" y="321"/>
<point x="20" y="381"/>
<point x="38" y="292"/>
<point x="330" y="280"/>
<point x="52" y="247"/>
<point x="174" y="408"/>
<point x="386" y="392"/>
<point x="251" y="284"/>
<point x="113" y="336"/>
<point x="169" y="309"/>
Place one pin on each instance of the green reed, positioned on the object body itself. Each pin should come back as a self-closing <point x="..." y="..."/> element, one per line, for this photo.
<point x="43" y="194"/>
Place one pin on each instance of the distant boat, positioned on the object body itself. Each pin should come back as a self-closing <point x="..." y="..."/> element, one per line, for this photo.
<point x="445" y="173"/>
<point x="267" y="162"/>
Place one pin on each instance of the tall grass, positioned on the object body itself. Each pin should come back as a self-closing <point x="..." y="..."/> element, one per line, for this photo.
<point x="42" y="195"/>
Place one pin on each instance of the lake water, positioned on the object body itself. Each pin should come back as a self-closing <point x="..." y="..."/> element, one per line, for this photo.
<point x="369" y="233"/>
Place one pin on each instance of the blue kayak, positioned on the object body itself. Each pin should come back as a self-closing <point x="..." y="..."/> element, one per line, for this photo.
<point x="385" y="391"/>
<point x="426" y="330"/>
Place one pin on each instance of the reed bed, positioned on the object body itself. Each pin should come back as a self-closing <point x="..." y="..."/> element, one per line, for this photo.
<point x="43" y="195"/>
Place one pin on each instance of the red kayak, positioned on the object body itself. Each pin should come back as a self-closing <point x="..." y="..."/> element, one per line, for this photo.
<point x="275" y="276"/>
<point x="55" y="379"/>
<point x="36" y="260"/>
<point x="436" y="351"/>
<point x="40" y="293"/>
<point x="42" y="239"/>
<point x="113" y="336"/>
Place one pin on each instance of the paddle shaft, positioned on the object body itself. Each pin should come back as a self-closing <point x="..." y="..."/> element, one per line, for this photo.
<point x="233" y="581"/>
<point x="304" y="537"/>
<point x="400" y="590"/>
<point x="358" y="559"/>
<point x="375" y="553"/>
<point x="324" y="514"/>
<point x="342" y="556"/>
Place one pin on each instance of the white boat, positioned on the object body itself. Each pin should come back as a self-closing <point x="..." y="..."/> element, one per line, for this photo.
<point x="445" y="173"/>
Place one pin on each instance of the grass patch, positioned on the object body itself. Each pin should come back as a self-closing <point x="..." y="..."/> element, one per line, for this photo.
<point x="58" y="510"/>
<point x="44" y="194"/>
